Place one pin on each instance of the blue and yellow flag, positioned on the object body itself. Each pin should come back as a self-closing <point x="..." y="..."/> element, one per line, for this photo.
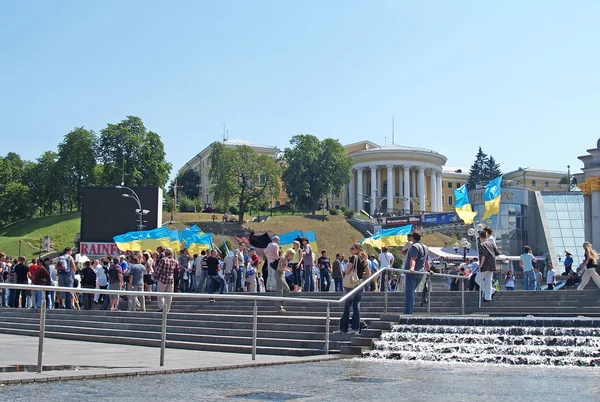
<point x="390" y="237"/>
<point x="144" y="239"/>
<point x="312" y="240"/>
<point x="187" y="232"/>
<point x="492" y="196"/>
<point x="175" y="241"/>
<point x="199" y="242"/>
<point x="463" y="204"/>
<point x="286" y="240"/>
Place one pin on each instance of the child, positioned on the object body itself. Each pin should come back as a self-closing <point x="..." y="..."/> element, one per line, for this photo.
<point x="538" y="278"/>
<point x="550" y="277"/>
<point x="509" y="281"/>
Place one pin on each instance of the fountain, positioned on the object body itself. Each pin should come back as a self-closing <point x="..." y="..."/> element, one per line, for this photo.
<point x="524" y="341"/>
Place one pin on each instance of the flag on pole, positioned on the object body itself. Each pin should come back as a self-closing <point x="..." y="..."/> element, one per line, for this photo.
<point x="463" y="206"/>
<point x="492" y="196"/>
<point x="390" y="237"/>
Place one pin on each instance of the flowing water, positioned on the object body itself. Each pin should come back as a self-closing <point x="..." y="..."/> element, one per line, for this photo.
<point x="339" y="380"/>
<point x="528" y="345"/>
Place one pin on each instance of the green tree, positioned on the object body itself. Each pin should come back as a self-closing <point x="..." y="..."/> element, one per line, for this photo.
<point x="11" y="170"/>
<point x="242" y="176"/>
<point x="132" y="155"/>
<point x="491" y="169"/>
<point x="75" y="166"/>
<point x="15" y="203"/>
<point x="188" y="183"/>
<point x="476" y="174"/>
<point x="40" y="178"/>
<point x="314" y="169"/>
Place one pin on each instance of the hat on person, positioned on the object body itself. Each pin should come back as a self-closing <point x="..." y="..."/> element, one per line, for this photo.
<point x="168" y="250"/>
<point x="568" y="252"/>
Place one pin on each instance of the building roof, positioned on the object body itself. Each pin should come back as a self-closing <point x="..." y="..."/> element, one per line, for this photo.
<point x="536" y="170"/>
<point x="405" y="148"/>
<point x="455" y="170"/>
<point x="237" y="142"/>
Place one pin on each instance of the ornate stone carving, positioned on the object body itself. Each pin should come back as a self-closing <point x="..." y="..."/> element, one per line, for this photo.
<point x="594" y="183"/>
<point x="585" y="187"/>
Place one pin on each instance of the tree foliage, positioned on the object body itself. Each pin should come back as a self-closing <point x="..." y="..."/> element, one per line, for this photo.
<point x="54" y="182"/>
<point x="132" y="155"/>
<point x="76" y="165"/>
<point x="314" y="170"/>
<point x="188" y="183"/>
<point x="483" y="170"/>
<point x="242" y="176"/>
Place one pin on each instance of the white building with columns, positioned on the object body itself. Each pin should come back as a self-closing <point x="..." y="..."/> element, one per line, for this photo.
<point x="394" y="178"/>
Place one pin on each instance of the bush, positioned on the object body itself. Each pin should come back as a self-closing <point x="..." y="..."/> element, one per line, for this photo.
<point x="234" y="210"/>
<point x="398" y="257"/>
<point x="185" y="204"/>
<point x="349" y="213"/>
<point x="333" y="212"/>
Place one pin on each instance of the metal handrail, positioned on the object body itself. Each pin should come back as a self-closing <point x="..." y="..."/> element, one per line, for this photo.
<point x="255" y="298"/>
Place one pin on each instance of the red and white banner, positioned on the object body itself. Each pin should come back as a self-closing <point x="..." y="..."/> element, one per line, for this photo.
<point x="100" y="249"/>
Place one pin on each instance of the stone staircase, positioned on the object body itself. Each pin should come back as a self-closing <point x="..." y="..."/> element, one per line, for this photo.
<point x="226" y="325"/>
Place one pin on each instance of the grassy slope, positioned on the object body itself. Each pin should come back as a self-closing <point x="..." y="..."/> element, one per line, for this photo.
<point x="334" y="235"/>
<point x="61" y="229"/>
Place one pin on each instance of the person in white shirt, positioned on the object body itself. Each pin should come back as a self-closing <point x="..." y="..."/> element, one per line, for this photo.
<point x="272" y="254"/>
<point x="550" y="277"/>
<point x="101" y="281"/>
<point x="474" y="270"/>
<point x="490" y="236"/>
<point x="386" y="260"/>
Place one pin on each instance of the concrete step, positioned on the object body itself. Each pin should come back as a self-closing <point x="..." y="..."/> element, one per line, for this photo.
<point x="271" y="350"/>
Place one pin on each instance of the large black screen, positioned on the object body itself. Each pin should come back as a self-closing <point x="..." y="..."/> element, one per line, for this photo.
<point x="106" y="213"/>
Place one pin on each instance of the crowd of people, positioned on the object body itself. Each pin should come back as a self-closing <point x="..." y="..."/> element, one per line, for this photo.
<point x="246" y="269"/>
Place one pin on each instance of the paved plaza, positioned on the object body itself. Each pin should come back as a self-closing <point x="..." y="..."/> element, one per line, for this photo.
<point x="100" y="360"/>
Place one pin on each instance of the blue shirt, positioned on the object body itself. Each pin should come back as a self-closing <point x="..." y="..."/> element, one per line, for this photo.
<point x="568" y="261"/>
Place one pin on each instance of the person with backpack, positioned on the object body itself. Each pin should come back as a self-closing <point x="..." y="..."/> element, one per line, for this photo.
<point x="115" y="282"/>
<point x="416" y="261"/>
<point x="88" y="281"/>
<point x="65" y="266"/>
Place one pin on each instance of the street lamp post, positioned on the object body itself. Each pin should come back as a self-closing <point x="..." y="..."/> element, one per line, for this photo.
<point x="141" y="212"/>
<point x="466" y="247"/>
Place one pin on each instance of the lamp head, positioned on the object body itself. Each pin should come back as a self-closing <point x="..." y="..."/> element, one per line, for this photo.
<point x="479" y="227"/>
<point x="126" y="195"/>
<point x="471" y="232"/>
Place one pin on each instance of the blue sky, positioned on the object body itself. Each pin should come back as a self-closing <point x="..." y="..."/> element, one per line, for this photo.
<point x="519" y="78"/>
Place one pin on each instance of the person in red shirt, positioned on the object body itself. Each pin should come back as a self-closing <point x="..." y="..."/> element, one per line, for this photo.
<point x="252" y="270"/>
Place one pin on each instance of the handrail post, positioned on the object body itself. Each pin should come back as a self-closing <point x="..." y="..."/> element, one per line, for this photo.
<point x="42" y="333"/>
<point x="163" y="335"/>
<point x="254" y="329"/>
<point x="327" y="318"/>
<point x="462" y="296"/>
<point x="385" y="295"/>
<point x="480" y="291"/>
<point x="429" y="294"/>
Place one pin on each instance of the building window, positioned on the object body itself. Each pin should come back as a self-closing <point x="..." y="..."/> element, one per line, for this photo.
<point x="533" y="183"/>
<point x="458" y="185"/>
<point x="449" y="200"/>
<point x="449" y="184"/>
<point x="547" y="184"/>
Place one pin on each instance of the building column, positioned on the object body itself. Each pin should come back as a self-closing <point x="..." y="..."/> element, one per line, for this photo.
<point x="595" y="204"/>
<point x="400" y="185"/>
<point x="413" y="182"/>
<point x="390" y="187"/>
<point x="439" y="191"/>
<point x="352" y="191"/>
<point x="422" y="205"/>
<point x="406" y="176"/>
<point x="433" y="188"/>
<point x="360" y="189"/>
<point x="373" y="203"/>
